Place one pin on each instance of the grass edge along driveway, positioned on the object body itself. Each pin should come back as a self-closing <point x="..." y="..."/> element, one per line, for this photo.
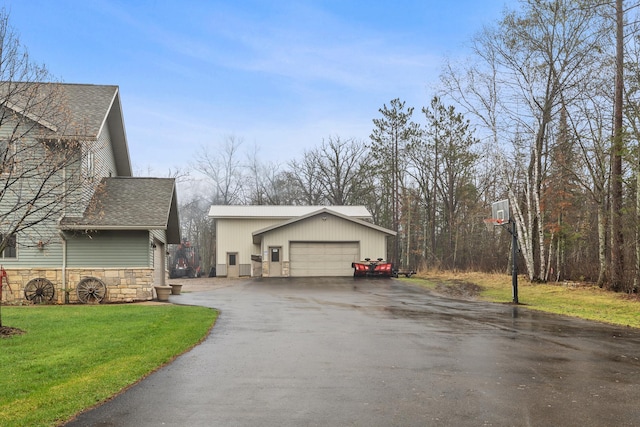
<point x="580" y="300"/>
<point x="73" y="357"/>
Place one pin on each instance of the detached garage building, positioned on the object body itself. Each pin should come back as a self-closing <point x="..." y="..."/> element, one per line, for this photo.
<point x="295" y="241"/>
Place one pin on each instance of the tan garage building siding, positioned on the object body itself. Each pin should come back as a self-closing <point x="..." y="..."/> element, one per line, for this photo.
<point x="289" y="240"/>
<point x="234" y="235"/>
<point x="326" y="228"/>
<point x="365" y="240"/>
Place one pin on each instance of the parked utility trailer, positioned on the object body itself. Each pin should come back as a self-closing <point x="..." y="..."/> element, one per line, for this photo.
<point x="406" y="272"/>
<point x="184" y="261"/>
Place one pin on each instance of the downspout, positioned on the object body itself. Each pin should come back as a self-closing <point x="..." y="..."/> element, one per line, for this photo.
<point x="64" y="268"/>
<point x="64" y="240"/>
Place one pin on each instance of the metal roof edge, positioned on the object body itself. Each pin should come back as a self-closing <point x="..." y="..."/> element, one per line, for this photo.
<point x="280" y="211"/>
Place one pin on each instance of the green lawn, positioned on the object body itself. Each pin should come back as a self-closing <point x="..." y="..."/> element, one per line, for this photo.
<point x="571" y="299"/>
<point x="75" y="356"/>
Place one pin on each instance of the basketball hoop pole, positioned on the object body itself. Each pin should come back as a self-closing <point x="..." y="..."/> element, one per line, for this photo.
<point x="514" y="262"/>
<point x="500" y="215"/>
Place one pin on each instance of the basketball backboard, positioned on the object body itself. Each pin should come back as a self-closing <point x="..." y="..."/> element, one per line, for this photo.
<point x="500" y="211"/>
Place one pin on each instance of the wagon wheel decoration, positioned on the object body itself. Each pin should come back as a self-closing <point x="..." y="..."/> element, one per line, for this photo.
<point x="91" y="290"/>
<point x="39" y="290"/>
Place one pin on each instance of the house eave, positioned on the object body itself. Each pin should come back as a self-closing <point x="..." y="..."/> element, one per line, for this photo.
<point x="86" y="227"/>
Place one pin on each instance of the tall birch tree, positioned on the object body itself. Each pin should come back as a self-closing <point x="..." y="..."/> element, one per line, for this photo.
<point x="532" y="59"/>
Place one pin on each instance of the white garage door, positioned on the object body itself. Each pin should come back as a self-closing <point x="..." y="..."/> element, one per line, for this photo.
<point x="311" y="259"/>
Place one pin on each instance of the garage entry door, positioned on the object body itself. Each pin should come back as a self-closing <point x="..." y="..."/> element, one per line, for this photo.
<point x="311" y="259"/>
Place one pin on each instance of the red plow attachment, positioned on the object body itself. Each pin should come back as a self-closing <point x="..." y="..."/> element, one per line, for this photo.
<point x="369" y="268"/>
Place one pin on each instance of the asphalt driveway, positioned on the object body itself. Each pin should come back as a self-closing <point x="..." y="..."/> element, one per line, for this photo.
<point x="323" y="352"/>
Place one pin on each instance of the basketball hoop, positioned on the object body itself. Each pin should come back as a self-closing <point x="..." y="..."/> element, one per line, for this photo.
<point x="491" y="223"/>
<point x="500" y="216"/>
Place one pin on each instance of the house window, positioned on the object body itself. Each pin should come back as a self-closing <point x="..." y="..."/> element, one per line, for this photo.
<point x="90" y="164"/>
<point x="10" y="251"/>
<point x="7" y="157"/>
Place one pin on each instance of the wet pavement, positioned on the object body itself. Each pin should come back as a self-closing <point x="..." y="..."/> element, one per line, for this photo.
<point x="333" y="352"/>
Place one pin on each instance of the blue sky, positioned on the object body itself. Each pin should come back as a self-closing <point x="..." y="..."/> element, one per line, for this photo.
<point x="279" y="74"/>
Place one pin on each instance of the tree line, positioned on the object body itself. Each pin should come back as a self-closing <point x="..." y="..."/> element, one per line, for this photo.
<point x="544" y="113"/>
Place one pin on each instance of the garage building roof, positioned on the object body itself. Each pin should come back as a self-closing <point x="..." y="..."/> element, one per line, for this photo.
<point x="284" y="212"/>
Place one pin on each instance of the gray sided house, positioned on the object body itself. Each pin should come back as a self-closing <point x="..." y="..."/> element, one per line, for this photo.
<point x="294" y="241"/>
<point x="122" y="236"/>
<point x="114" y="228"/>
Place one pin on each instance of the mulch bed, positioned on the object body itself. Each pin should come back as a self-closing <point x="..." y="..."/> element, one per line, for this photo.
<point x="8" y="331"/>
<point x="459" y="289"/>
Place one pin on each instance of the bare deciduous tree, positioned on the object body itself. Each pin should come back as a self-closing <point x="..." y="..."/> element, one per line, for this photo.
<point x="44" y="165"/>
<point x="306" y="175"/>
<point x="530" y="63"/>
<point x="341" y="173"/>
<point x="221" y="166"/>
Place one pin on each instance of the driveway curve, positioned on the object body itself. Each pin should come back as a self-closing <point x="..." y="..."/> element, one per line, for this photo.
<point x="339" y="352"/>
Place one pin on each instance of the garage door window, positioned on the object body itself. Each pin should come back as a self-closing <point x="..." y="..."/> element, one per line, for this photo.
<point x="232" y="259"/>
<point x="275" y="255"/>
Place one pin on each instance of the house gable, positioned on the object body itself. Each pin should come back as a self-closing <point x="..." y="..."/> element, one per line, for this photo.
<point x="96" y="114"/>
<point x="93" y="110"/>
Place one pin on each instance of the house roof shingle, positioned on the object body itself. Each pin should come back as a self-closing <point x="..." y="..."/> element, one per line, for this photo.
<point x="128" y="203"/>
<point x="90" y="108"/>
<point x="88" y="105"/>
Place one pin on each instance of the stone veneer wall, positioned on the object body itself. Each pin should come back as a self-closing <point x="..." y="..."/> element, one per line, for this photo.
<point x="265" y="269"/>
<point x="123" y="284"/>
